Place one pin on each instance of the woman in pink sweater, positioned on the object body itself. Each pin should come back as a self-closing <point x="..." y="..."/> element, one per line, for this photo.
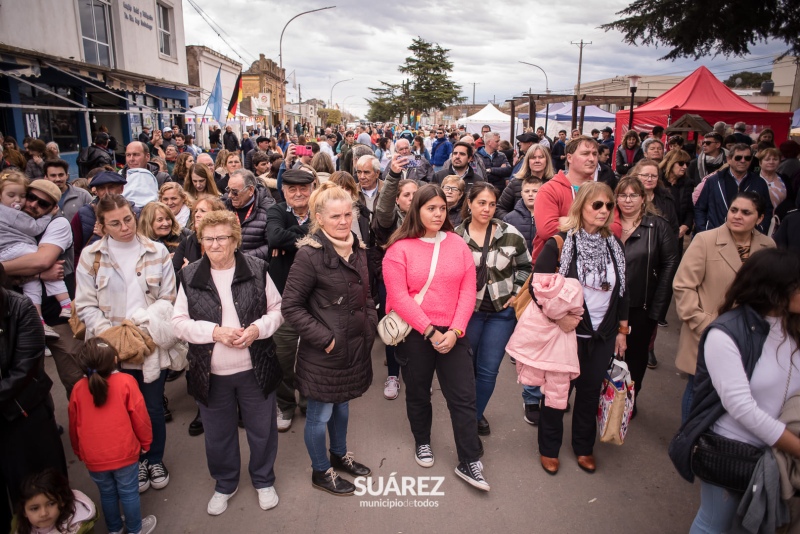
<point x="437" y="341"/>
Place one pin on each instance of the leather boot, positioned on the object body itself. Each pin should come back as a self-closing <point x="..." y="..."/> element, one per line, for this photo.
<point x="331" y="482"/>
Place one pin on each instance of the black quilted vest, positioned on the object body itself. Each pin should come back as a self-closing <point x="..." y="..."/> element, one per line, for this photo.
<point x="249" y="297"/>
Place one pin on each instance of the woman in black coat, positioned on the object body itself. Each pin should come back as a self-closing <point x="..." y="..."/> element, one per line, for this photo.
<point x="327" y="298"/>
<point x="676" y="181"/>
<point x="651" y="259"/>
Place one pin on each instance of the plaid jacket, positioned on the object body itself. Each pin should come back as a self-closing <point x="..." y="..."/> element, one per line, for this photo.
<point x="508" y="260"/>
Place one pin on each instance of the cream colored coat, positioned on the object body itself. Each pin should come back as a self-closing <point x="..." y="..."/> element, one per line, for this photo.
<point x="704" y="275"/>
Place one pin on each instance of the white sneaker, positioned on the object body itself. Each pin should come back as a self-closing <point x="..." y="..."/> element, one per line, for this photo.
<point x="219" y="502"/>
<point x="267" y="498"/>
<point x="148" y="524"/>
<point x="66" y="313"/>
<point x="284" y="423"/>
<point x="49" y="332"/>
<point x="391" y="388"/>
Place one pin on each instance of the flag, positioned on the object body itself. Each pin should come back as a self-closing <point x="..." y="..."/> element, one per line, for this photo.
<point x="236" y="97"/>
<point x="293" y="77"/>
<point x="215" y="100"/>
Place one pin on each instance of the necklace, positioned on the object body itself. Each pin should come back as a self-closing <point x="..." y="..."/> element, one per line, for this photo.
<point x="627" y="231"/>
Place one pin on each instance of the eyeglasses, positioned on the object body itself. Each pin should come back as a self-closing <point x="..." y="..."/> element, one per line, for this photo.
<point x="631" y="196"/>
<point x="740" y="158"/>
<point x="439" y="133"/>
<point x="221" y="239"/>
<point x="682" y="163"/>
<point x="235" y="192"/>
<point x="45" y="205"/>
<point x="597" y="205"/>
<point x="648" y="176"/>
<point x="450" y="189"/>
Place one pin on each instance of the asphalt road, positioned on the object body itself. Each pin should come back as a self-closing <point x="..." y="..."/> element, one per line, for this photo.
<point x="635" y="488"/>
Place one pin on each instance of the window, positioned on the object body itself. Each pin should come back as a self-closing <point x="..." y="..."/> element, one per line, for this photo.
<point x="96" y="31"/>
<point x="164" y="30"/>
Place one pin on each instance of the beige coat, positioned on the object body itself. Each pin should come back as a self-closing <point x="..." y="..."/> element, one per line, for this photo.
<point x="704" y="275"/>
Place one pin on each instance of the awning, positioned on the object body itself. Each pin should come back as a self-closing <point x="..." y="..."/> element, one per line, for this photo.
<point x="126" y="84"/>
<point x="10" y="64"/>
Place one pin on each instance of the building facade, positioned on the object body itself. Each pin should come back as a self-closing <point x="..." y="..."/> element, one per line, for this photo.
<point x="68" y="67"/>
<point x="263" y="82"/>
<point x="202" y="65"/>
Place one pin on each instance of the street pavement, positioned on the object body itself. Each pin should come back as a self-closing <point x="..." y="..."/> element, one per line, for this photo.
<point x="635" y="488"/>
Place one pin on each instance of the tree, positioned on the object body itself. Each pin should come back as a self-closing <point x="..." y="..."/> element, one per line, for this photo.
<point x="330" y="116"/>
<point x="696" y="29"/>
<point x="429" y="85"/>
<point x="749" y="79"/>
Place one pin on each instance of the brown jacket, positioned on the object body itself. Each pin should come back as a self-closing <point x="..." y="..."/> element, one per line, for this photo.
<point x="704" y="275"/>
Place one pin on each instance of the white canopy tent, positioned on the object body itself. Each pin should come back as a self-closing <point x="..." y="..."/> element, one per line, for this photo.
<point x="201" y="117"/>
<point x="495" y="119"/>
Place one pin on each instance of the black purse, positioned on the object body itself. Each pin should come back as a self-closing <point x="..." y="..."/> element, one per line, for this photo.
<point x="724" y="462"/>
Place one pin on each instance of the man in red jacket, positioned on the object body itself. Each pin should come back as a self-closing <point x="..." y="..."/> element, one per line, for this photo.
<point x="555" y="197"/>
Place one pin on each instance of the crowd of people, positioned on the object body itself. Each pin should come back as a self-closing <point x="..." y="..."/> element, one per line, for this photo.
<point x="260" y="271"/>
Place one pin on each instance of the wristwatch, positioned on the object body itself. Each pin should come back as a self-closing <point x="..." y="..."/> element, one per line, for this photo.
<point x="626" y="330"/>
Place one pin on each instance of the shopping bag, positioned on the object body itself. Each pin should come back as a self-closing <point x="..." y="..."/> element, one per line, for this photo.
<point x="616" y="403"/>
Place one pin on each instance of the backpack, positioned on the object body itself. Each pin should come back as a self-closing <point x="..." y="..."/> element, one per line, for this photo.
<point x="90" y="158"/>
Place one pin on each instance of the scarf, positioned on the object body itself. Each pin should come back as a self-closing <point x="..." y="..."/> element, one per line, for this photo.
<point x="701" y="163"/>
<point x="593" y="258"/>
<point x="343" y="248"/>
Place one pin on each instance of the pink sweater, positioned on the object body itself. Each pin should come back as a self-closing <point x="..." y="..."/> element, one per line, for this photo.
<point x="450" y="298"/>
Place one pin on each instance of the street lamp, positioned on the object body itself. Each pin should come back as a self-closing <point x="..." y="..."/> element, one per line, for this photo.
<point x="634" y="81"/>
<point x="532" y="112"/>
<point x="280" y="55"/>
<point x="330" y="102"/>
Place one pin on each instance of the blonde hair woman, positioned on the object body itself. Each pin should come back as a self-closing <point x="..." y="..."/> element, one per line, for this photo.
<point x="157" y="222"/>
<point x="537" y="164"/>
<point x="175" y="198"/>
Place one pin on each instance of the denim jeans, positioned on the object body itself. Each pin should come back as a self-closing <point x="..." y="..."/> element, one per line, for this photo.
<point x="319" y="416"/>
<point x="531" y="394"/>
<point x="488" y="334"/>
<point x="688" y="397"/>
<point x="153" y="394"/>
<point x="120" y="486"/>
<point x="717" y="510"/>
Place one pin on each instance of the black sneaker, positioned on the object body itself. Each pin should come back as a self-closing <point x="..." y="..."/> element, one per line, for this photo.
<point x="167" y="412"/>
<point x="472" y="473"/>
<point x="196" y="426"/>
<point x="532" y="414"/>
<point x="424" y="455"/>
<point x="144" y="477"/>
<point x="483" y="427"/>
<point x="663" y="323"/>
<point x="347" y="464"/>
<point x="331" y="482"/>
<point x="652" y="363"/>
<point x="173" y="375"/>
<point x="159" y="476"/>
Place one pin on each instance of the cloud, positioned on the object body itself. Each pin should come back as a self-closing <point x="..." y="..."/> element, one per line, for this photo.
<point x="367" y="41"/>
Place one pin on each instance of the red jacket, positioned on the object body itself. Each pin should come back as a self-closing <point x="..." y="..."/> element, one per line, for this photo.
<point x="113" y="435"/>
<point x="553" y="201"/>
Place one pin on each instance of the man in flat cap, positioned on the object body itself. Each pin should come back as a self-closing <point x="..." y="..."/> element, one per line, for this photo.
<point x="286" y="223"/>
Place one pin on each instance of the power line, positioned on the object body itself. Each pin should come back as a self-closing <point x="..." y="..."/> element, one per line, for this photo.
<point x="212" y="25"/>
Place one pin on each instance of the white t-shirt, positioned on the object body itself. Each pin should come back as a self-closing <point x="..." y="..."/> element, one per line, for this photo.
<point x="126" y="255"/>
<point x="58" y="233"/>
<point x="597" y="300"/>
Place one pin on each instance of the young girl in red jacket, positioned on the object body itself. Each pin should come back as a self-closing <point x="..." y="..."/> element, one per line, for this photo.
<point x="109" y="428"/>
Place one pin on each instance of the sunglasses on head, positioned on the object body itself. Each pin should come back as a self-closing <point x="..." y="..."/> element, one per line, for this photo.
<point x="45" y="205"/>
<point x="740" y="158"/>
<point x="597" y="205"/>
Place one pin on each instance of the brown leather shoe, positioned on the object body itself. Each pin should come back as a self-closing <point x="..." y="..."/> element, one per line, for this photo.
<point x="587" y="463"/>
<point x="550" y="465"/>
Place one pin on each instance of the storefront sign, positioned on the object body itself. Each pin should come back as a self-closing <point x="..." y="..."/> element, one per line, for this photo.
<point x="138" y="16"/>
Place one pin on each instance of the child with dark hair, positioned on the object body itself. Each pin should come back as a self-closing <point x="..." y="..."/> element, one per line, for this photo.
<point x="109" y="428"/>
<point x="47" y="505"/>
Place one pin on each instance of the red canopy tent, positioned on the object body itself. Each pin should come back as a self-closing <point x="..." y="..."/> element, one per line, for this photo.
<point x="701" y="93"/>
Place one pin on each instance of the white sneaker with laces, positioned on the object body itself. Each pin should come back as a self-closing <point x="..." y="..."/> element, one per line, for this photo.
<point x="472" y="473"/>
<point x="148" y="524"/>
<point x="159" y="476"/>
<point x="424" y="455"/>
<point x="219" y="502"/>
<point x="391" y="388"/>
<point x="49" y="332"/>
<point x="66" y="313"/>
<point x="144" y="477"/>
<point x="284" y="423"/>
<point x="267" y="498"/>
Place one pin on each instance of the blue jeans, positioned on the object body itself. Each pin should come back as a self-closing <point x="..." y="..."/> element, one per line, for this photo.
<point x="688" y="397"/>
<point x="488" y="333"/>
<point x="531" y="394"/>
<point x="319" y="416"/>
<point x="717" y="510"/>
<point x="120" y="486"/>
<point x="153" y="394"/>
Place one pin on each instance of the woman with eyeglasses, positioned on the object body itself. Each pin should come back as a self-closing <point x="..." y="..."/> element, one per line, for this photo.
<point x="453" y="188"/>
<point x="651" y="258"/>
<point x="781" y="194"/>
<point x="705" y="273"/>
<point x="647" y="171"/>
<point x="676" y="180"/>
<point x="227" y="309"/>
<point x="592" y="255"/>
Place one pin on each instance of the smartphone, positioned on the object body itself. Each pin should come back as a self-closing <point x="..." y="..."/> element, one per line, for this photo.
<point x="301" y="151"/>
<point x="414" y="163"/>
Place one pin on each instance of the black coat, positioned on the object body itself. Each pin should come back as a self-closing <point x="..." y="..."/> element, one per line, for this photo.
<point x="788" y="234"/>
<point x="651" y="258"/>
<point x="230" y="142"/>
<point x="188" y="249"/>
<point x="283" y="232"/>
<point x="667" y="205"/>
<point x="254" y="226"/>
<point x="250" y="300"/>
<point x="328" y="298"/>
<point x="522" y="219"/>
<point x="623" y="167"/>
<point x="508" y="198"/>
<point x="23" y="382"/>
<point x="682" y="195"/>
<point x="469" y="178"/>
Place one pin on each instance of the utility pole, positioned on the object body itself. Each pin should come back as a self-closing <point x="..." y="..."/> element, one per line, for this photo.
<point x="300" y="102"/>
<point x="581" y="44"/>
<point x="473" y="84"/>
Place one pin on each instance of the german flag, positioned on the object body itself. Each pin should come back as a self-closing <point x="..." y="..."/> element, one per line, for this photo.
<point x="236" y="97"/>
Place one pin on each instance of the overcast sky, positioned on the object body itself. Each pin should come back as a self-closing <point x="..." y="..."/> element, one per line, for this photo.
<point x="367" y="41"/>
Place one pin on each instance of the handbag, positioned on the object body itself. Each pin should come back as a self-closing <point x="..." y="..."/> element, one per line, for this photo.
<point x="724" y="462"/>
<point x="393" y="329"/>
<point x="616" y="403"/>
<point x="524" y="296"/>
<point x="77" y="326"/>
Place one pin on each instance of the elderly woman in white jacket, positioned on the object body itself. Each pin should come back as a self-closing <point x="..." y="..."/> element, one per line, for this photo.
<point x="125" y="276"/>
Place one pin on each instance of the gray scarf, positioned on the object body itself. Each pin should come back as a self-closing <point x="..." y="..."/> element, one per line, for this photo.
<point x="701" y="163"/>
<point x="593" y="258"/>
